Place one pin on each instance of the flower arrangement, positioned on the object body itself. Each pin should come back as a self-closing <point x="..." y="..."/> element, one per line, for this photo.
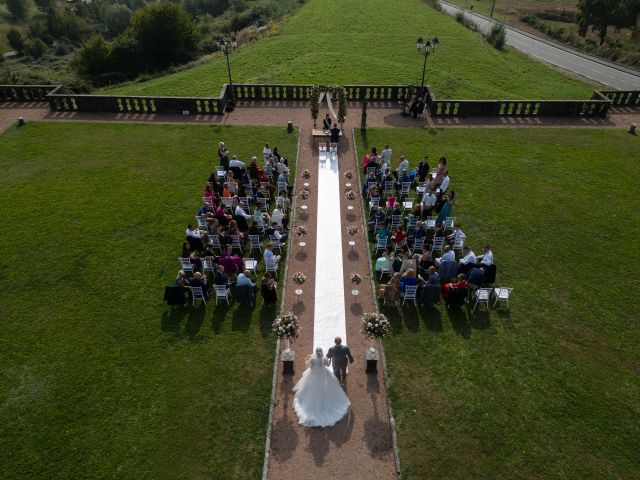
<point x="306" y="174"/>
<point x="299" y="278"/>
<point x="301" y="230"/>
<point x="304" y="194"/>
<point x="350" y="194"/>
<point x="375" y="325"/>
<point x="348" y="174"/>
<point x="352" y="229"/>
<point x="356" y="278"/>
<point x="286" y="326"/>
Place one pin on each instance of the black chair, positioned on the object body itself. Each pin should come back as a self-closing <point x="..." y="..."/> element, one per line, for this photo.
<point x="457" y="297"/>
<point x="429" y="294"/>
<point x="244" y="295"/>
<point x="174" y="295"/>
<point x="490" y="274"/>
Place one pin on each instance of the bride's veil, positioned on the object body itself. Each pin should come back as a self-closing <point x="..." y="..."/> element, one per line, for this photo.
<point x="318" y="360"/>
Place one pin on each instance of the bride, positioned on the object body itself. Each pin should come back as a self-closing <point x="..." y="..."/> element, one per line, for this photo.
<point x="319" y="400"/>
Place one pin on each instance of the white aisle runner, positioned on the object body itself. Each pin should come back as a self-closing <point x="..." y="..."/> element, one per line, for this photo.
<point x="329" y="316"/>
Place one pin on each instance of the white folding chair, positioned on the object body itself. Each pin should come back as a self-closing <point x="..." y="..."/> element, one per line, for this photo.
<point x="371" y="170"/>
<point x="410" y="294"/>
<point x="246" y="200"/>
<point x="430" y="223"/>
<point x="223" y="292"/>
<point x="276" y="243"/>
<point x="501" y="294"/>
<point x="449" y="224"/>
<point x="386" y="271"/>
<point x="228" y="203"/>
<point x="250" y="264"/>
<point x="262" y="204"/>
<point x="418" y="243"/>
<point x="388" y="189"/>
<point x="405" y="189"/>
<point x="482" y="296"/>
<point x="374" y="203"/>
<point x="186" y="265"/>
<point x="322" y="147"/>
<point x="197" y="294"/>
<point x="207" y="265"/>
<point x="282" y="187"/>
<point x="214" y="241"/>
<point x="399" y="245"/>
<point x="255" y="243"/>
<point x="408" y="203"/>
<point x="381" y="244"/>
<point x="333" y="147"/>
<point x="221" y="172"/>
<point x="438" y="243"/>
<point x="202" y="221"/>
<point x="235" y="243"/>
<point x="282" y="203"/>
<point x="458" y="243"/>
<point x="411" y="224"/>
<point x="272" y="269"/>
<point x="396" y="221"/>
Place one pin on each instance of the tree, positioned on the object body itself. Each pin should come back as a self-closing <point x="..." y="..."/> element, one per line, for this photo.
<point x="166" y="34"/>
<point x="15" y="40"/>
<point x="125" y="56"/>
<point x="601" y="14"/>
<point x="35" y="47"/>
<point x="18" y="8"/>
<point x="117" y="18"/>
<point x="63" y="24"/>
<point x="93" y="58"/>
<point x="497" y="36"/>
<point x="43" y="5"/>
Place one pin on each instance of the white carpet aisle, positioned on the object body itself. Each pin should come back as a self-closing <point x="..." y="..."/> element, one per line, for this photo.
<point x="329" y="314"/>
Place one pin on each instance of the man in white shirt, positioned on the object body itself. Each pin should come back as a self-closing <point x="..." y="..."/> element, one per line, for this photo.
<point x="448" y="256"/>
<point x="270" y="258"/>
<point x="445" y="182"/>
<point x="427" y="203"/>
<point x="468" y="261"/>
<point x="486" y="259"/>
<point x="404" y="166"/>
<point x="386" y="155"/>
<point x="235" y="163"/>
<point x="240" y="212"/>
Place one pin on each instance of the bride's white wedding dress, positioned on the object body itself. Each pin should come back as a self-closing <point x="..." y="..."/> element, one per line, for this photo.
<point x="319" y="400"/>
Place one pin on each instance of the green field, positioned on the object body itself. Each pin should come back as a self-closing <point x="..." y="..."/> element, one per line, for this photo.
<point x="99" y="379"/>
<point x="372" y="42"/>
<point x="551" y="388"/>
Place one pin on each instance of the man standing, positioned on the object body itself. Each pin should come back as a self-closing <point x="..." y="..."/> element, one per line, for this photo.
<point x="404" y="166"/>
<point x="339" y="354"/>
<point x="335" y="134"/>
<point x="386" y="155"/>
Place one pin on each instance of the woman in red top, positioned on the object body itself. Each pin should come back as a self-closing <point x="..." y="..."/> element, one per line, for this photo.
<point x="399" y="236"/>
<point x="461" y="283"/>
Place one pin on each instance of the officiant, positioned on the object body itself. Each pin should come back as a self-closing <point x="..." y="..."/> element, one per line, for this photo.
<point x="326" y="122"/>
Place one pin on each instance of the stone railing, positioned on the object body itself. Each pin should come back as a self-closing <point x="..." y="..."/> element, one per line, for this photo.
<point x="58" y="100"/>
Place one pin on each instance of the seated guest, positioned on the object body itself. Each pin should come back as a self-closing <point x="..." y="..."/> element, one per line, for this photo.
<point x="271" y="259"/>
<point x="241" y="212"/>
<point x="194" y="237"/>
<point x="384" y="232"/>
<point x="459" y="283"/>
<point x="181" y="280"/>
<point x="385" y="261"/>
<point x="420" y="231"/>
<point x="434" y="278"/>
<point x="219" y="277"/>
<point x="269" y="289"/>
<point x="448" y="256"/>
<point x="438" y="232"/>
<point x="369" y="182"/>
<point x="277" y="217"/>
<point x="374" y="192"/>
<point x="254" y="172"/>
<point x="445" y="182"/>
<point x="468" y="261"/>
<point x="399" y="237"/>
<point x="390" y="292"/>
<point x="403" y="166"/>
<point x="456" y="235"/>
<point x="275" y="233"/>
<point x="254" y="230"/>
<point x="200" y="281"/>
<point x="409" y="261"/>
<point x="425" y="261"/>
<point x="244" y="279"/>
<point x="427" y="203"/>
<point x="377" y="217"/>
<point x="212" y="226"/>
<point x="186" y="250"/>
<point x="486" y="259"/>
<point x="475" y="277"/>
<point x="407" y="279"/>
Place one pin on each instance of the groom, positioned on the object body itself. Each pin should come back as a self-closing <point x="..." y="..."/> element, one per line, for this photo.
<point x="339" y="354"/>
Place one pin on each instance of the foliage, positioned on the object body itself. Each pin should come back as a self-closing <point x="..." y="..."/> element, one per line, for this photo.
<point x="64" y="24"/>
<point x="15" y="40"/>
<point x="93" y="57"/>
<point x="98" y="363"/>
<point x="600" y="14"/>
<point x="117" y="18"/>
<point x="378" y="49"/>
<point x="125" y="55"/>
<point x="43" y="5"/>
<point x="342" y="105"/>
<point x="314" y="103"/>
<point x="166" y="34"/>
<point x="18" y="8"/>
<point x="286" y="326"/>
<point x="35" y="47"/>
<point x="497" y="36"/>
<point x="535" y="373"/>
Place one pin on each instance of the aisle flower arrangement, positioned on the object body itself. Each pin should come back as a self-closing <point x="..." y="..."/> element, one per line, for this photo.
<point x="375" y="325"/>
<point x="286" y="326"/>
<point x="356" y="278"/>
<point x="348" y="174"/>
<point x="352" y="229"/>
<point x="299" y="278"/>
<point x="350" y="194"/>
<point x="301" y="230"/>
<point x="304" y="194"/>
<point x="306" y="174"/>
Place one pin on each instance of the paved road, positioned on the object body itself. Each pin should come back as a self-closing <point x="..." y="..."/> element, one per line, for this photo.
<point x="600" y="71"/>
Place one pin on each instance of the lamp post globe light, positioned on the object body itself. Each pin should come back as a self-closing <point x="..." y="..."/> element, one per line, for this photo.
<point x="429" y="45"/>
<point x="224" y="47"/>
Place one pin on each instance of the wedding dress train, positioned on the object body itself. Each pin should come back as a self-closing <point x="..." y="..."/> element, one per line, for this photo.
<point x="319" y="400"/>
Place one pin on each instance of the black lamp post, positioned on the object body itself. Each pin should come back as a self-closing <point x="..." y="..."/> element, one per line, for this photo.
<point x="222" y="45"/>
<point x="428" y="46"/>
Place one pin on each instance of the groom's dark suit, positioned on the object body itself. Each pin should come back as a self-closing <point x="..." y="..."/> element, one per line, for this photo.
<point x="339" y="354"/>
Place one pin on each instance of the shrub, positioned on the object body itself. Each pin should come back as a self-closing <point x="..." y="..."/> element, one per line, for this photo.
<point x="15" y="40"/>
<point x="35" y="47"/>
<point x="117" y="18"/>
<point x="93" y="58"/>
<point x="497" y="36"/>
<point x="18" y="8"/>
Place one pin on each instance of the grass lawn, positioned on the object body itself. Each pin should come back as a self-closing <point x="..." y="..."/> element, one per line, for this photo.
<point x="335" y="42"/>
<point x="550" y="389"/>
<point x="99" y="379"/>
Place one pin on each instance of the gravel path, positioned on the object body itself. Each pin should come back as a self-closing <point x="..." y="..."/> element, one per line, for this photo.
<point x="360" y="446"/>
